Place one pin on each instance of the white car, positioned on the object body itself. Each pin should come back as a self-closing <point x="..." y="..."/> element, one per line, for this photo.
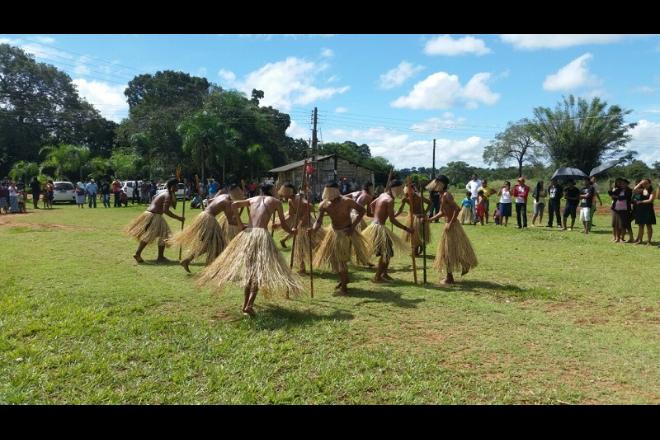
<point x="127" y="187"/>
<point x="180" y="191"/>
<point x="64" y="192"/>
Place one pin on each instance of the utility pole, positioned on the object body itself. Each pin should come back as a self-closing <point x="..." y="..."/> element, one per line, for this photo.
<point x="315" y="142"/>
<point x="433" y="170"/>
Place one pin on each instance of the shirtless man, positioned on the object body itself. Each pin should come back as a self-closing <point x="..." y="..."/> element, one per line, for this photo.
<point x="251" y="259"/>
<point x="205" y="235"/>
<point x="302" y="246"/>
<point x="364" y="199"/>
<point x="288" y="193"/>
<point x="151" y="225"/>
<point x="454" y="248"/>
<point x="418" y="220"/>
<point x="335" y="249"/>
<point x="381" y="239"/>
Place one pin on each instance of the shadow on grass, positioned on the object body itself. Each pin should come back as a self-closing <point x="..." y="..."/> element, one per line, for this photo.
<point x="154" y="263"/>
<point x="353" y="276"/>
<point x="383" y="296"/>
<point x="273" y="317"/>
<point x="508" y="290"/>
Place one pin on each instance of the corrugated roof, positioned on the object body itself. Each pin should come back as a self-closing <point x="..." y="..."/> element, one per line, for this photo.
<point x="298" y="164"/>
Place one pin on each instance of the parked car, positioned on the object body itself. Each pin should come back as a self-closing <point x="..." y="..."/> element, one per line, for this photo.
<point x="64" y="192"/>
<point x="127" y="187"/>
<point x="180" y="191"/>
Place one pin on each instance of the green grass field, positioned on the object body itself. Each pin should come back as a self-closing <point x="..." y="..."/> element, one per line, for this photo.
<point x="547" y="317"/>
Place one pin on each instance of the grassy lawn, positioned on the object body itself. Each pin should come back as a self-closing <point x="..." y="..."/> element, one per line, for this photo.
<point x="547" y="317"/>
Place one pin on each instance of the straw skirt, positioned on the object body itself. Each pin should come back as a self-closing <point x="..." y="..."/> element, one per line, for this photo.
<point x="455" y="251"/>
<point x="203" y="236"/>
<point x="148" y="227"/>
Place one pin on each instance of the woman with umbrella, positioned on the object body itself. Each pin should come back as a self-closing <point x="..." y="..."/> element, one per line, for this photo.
<point x="621" y="206"/>
<point x="644" y="213"/>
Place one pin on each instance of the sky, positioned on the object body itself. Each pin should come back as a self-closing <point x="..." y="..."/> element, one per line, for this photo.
<point x="394" y="92"/>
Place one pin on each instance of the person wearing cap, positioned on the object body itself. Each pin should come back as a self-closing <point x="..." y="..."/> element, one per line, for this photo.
<point x="91" y="189"/>
<point x="520" y="193"/>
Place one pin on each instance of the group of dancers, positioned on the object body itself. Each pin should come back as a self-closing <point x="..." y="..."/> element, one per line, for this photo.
<point x="246" y="254"/>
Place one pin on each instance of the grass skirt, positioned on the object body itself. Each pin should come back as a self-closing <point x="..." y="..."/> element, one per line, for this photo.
<point x="334" y="252"/>
<point x="455" y="251"/>
<point x="301" y="248"/>
<point x="421" y="228"/>
<point x="362" y="225"/>
<point x="465" y="216"/>
<point x="148" y="227"/>
<point x="252" y="258"/>
<point x="229" y="231"/>
<point x="382" y="241"/>
<point x="203" y="236"/>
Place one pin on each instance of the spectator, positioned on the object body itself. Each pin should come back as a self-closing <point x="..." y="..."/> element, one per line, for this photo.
<point x="481" y="207"/>
<point x="116" y="190"/>
<point x="153" y="189"/>
<point x="50" y="193"/>
<point x="345" y="187"/>
<point x="213" y="188"/>
<point x="555" y="193"/>
<point x="92" y="189"/>
<point x="539" y="203"/>
<point x="596" y="196"/>
<point x="644" y="212"/>
<point x="105" y="193"/>
<point x="572" y="196"/>
<point x="520" y="192"/>
<point x="4" y="197"/>
<point x="21" y="201"/>
<point x="497" y="215"/>
<point x="80" y="195"/>
<point x="586" y="203"/>
<point x="465" y="216"/>
<point x="473" y="186"/>
<point x="35" y="187"/>
<point x="505" y="202"/>
<point x="136" y="193"/>
<point x="144" y="192"/>
<point x="488" y="191"/>
<point x="621" y="206"/>
<point x="13" y="197"/>
<point x="123" y="198"/>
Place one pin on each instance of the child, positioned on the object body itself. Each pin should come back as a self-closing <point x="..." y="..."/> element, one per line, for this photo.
<point x="21" y="202"/>
<point x="123" y="199"/>
<point x="497" y="215"/>
<point x="505" y="202"/>
<point x="481" y="207"/>
<point x="465" y="215"/>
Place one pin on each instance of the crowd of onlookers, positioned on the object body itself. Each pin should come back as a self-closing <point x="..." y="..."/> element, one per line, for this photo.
<point x="627" y="205"/>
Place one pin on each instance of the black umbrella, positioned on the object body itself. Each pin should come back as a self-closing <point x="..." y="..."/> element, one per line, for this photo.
<point x="569" y="173"/>
<point x="603" y="167"/>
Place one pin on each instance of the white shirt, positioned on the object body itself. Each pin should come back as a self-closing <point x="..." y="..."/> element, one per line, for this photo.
<point x="12" y="191"/>
<point x="473" y="187"/>
<point x="506" y="196"/>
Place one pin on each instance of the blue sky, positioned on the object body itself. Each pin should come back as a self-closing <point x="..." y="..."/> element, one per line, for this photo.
<point x="394" y="92"/>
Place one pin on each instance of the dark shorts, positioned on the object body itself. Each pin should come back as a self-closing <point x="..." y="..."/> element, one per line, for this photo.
<point x="505" y="209"/>
<point x="570" y="210"/>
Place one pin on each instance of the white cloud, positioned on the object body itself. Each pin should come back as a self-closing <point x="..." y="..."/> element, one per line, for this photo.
<point x="227" y="75"/>
<point x="288" y="83"/>
<point x="108" y="99"/>
<point x="341" y="110"/>
<point x="434" y="125"/>
<point x="333" y="78"/>
<point x="646" y="90"/>
<point x="296" y="131"/>
<point x="646" y="140"/>
<point x="446" y="45"/>
<point x="442" y="90"/>
<point x="404" y="151"/>
<point x="45" y="40"/>
<point x="81" y="66"/>
<point x="572" y="76"/>
<point x="202" y="71"/>
<point x="397" y="76"/>
<point x="327" y="53"/>
<point x="557" y="41"/>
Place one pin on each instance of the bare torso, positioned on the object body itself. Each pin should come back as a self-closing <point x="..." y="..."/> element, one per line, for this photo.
<point x="339" y="211"/>
<point x="262" y="209"/>
<point x="362" y="198"/>
<point x="219" y="204"/>
<point x="382" y="207"/>
<point x="160" y="204"/>
<point x="448" y="207"/>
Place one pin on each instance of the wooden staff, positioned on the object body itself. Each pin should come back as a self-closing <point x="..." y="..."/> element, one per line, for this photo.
<point x="183" y="214"/>
<point x="297" y="219"/>
<point x="410" y="216"/>
<point x="387" y="187"/>
<point x="306" y="188"/>
<point x="423" y="236"/>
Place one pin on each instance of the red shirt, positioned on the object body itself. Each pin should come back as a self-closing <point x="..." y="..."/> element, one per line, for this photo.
<point x="520" y="192"/>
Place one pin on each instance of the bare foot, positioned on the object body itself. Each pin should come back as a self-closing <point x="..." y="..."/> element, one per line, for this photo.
<point x="249" y="311"/>
<point x="138" y="259"/>
<point x="185" y="264"/>
<point x="448" y="281"/>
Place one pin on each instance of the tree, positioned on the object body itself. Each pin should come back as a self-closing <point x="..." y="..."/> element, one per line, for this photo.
<point x="581" y="134"/>
<point x="23" y="170"/>
<point x="458" y="172"/>
<point x="40" y="105"/>
<point x="124" y="163"/>
<point x="66" y="160"/>
<point x="515" y="143"/>
<point x="202" y="133"/>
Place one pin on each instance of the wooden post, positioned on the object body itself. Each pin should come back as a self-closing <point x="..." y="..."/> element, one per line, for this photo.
<point x="421" y="188"/>
<point x="297" y="219"/>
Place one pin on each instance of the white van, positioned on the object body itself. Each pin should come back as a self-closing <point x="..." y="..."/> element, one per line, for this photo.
<point x="128" y="187"/>
<point x="64" y="192"/>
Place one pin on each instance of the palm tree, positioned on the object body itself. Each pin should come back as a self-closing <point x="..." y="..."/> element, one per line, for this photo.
<point x="65" y="159"/>
<point x="22" y="170"/>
